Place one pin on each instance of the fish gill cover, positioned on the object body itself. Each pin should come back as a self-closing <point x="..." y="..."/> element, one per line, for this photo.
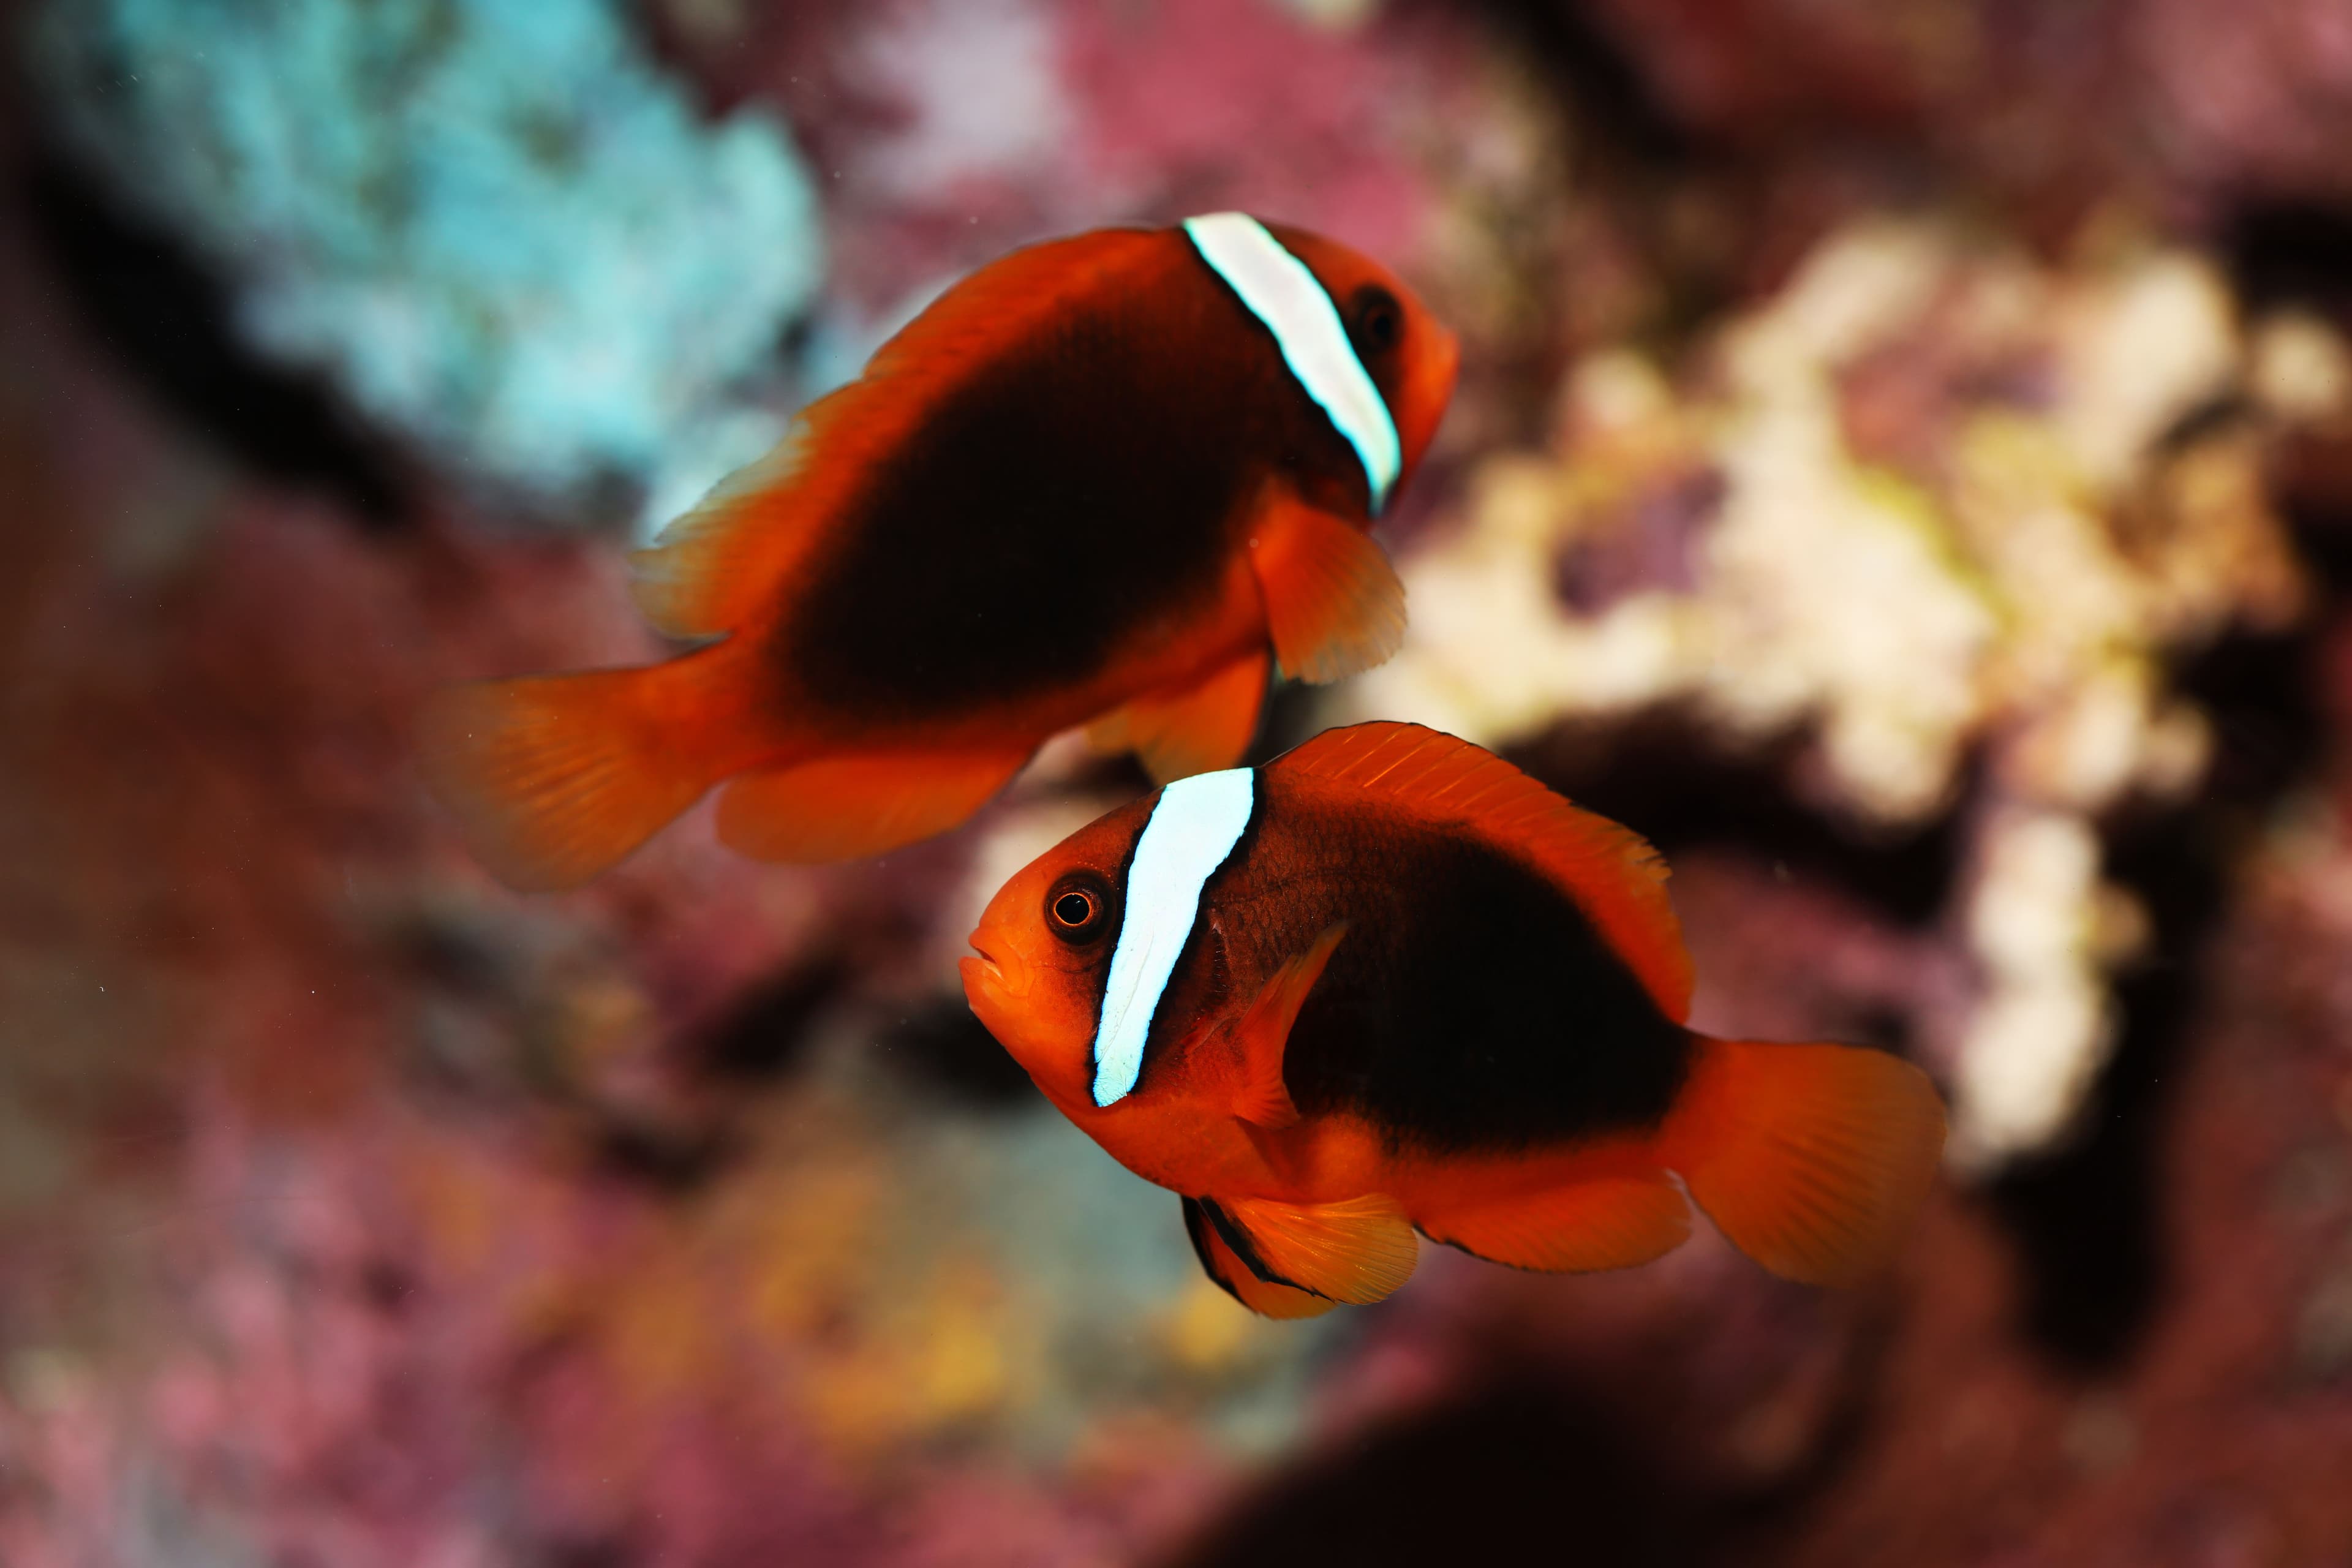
<point x="547" y="275"/>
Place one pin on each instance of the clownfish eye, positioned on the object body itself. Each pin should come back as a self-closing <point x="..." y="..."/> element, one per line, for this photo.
<point x="1077" y="910"/>
<point x="1379" y="319"/>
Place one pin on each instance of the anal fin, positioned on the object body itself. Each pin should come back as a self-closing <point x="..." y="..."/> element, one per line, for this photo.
<point x="1356" y="1251"/>
<point x="1260" y="1296"/>
<point x="842" y="807"/>
<point x="1334" y="606"/>
<point x="1196" y="730"/>
<point x="1614" y="1222"/>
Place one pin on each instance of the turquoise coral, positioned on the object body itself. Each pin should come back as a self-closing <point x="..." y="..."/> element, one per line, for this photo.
<point x="499" y="227"/>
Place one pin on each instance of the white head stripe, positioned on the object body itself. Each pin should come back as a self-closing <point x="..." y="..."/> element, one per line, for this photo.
<point x="1192" y="829"/>
<point x="1280" y="291"/>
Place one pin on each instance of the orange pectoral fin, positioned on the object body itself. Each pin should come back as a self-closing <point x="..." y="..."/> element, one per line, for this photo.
<point x="1196" y="730"/>
<point x="1234" y="1276"/>
<point x="1615" y="1222"/>
<point x="838" y="808"/>
<point x="1333" y="603"/>
<point x="1265" y="1033"/>
<point x="1357" y="1251"/>
<point x="1811" y="1159"/>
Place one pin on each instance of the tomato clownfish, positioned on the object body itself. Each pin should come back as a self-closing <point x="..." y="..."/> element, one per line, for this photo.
<point x="1101" y="481"/>
<point x="1390" y="984"/>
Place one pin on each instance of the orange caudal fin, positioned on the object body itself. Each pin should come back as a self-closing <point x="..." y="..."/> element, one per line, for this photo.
<point x="554" y="778"/>
<point x="1811" y="1159"/>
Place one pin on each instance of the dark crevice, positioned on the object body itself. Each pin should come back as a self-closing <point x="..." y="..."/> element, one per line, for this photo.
<point x="590" y="1551"/>
<point x="673" y="1162"/>
<point x="1589" y="70"/>
<point x="942" y="1048"/>
<point x="2290" y="253"/>
<point x="935" y="1045"/>
<point x="2085" y="1217"/>
<point x="765" y="1033"/>
<point x="1509" y="1475"/>
<point x="2323" y="528"/>
<point x="1290" y="719"/>
<point x="1662" y="775"/>
<point x="170" y="322"/>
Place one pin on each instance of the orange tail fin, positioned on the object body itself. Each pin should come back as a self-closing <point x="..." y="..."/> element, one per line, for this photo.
<point x="555" y="777"/>
<point x="1812" y="1159"/>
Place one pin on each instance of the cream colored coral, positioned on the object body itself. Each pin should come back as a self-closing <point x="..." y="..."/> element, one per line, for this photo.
<point x="2011" y="587"/>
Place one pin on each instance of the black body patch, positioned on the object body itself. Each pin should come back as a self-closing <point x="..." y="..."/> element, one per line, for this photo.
<point x="1081" y="485"/>
<point x="1471" y="1006"/>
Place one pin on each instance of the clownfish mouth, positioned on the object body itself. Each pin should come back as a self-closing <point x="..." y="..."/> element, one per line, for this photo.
<point x="986" y="958"/>
<point x="989" y="978"/>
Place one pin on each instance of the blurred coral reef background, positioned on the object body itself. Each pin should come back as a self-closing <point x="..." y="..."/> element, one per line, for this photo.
<point x="1904" y="466"/>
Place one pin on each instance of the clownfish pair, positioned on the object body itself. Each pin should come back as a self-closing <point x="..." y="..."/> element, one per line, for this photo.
<point x="1387" y="985"/>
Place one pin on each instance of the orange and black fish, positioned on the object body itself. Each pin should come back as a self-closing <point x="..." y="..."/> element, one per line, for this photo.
<point x="1390" y="984"/>
<point x="1100" y="481"/>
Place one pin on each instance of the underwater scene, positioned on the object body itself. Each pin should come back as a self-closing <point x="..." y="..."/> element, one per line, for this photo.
<point x="1037" y="783"/>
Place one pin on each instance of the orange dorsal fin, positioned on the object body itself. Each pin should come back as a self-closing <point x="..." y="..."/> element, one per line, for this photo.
<point x="1266" y="1300"/>
<point x="1614" y="1222"/>
<point x="714" y="566"/>
<point x="1264" y="1031"/>
<point x="842" y="807"/>
<point x="719" y="566"/>
<point x="1333" y="604"/>
<point x="1616" y="878"/>
<point x="1357" y="1251"/>
<point x="1195" y="730"/>
<point x="1811" y="1159"/>
<point x="552" y="778"/>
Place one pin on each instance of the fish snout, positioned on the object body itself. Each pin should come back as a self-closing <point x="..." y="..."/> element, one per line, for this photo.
<point x="980" y="981"/>
<point x="998" y="973"/>
<point x="995" y="985"/>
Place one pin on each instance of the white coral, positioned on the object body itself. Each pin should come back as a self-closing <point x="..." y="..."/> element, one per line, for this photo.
<point x="2012" y="591"/>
